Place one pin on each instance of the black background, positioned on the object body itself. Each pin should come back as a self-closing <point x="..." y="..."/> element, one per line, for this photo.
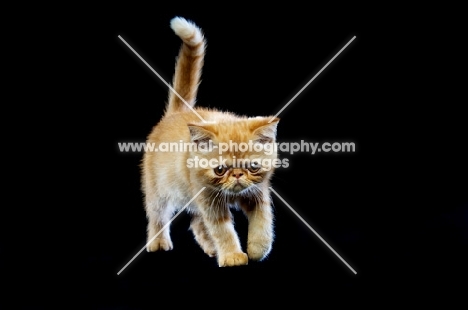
<point x="395" y="210"/>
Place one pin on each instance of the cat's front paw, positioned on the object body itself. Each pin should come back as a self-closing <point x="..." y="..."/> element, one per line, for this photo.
<point x="258" y="251"/>
<point x="233" y="259"/>
<point x="159" y="244"/>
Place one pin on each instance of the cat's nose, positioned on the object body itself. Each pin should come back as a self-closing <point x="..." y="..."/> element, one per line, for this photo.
<point x="237" y="173"/>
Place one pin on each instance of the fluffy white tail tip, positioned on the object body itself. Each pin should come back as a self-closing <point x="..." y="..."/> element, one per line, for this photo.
<point x="186" y="30"/>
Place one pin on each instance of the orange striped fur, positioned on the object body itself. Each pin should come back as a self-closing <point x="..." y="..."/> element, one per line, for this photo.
<point x="168" y="182"/>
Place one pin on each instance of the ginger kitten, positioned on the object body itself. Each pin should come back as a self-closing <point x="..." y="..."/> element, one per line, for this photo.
<point x="170" y="179"/>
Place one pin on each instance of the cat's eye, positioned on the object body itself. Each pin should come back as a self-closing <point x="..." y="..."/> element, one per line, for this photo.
<point x="220" y="170"/>
<point x="254" y="167"/>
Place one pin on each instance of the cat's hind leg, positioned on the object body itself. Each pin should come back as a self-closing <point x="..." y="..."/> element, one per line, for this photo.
<point x="159" y="213"/>
<point x="202" y="236"/>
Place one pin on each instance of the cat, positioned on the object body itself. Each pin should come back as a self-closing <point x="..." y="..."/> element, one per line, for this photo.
<point x="169" y="182"/>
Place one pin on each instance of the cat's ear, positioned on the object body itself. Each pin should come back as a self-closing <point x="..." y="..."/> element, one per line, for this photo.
<point x="264" y="130"/>
<point x="200" y="133"/>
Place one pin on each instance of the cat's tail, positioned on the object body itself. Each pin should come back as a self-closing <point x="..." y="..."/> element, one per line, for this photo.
<point x="188" y="66"/>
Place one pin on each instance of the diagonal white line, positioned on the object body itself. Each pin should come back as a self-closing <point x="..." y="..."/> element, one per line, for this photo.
<point x="164" y="227"/>
<point x="312" y="230"/>
<point x="167" y="84"/>
<point x="285" y="106"/>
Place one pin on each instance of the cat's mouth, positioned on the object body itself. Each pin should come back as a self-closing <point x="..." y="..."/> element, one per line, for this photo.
<point x="238" y="187"/>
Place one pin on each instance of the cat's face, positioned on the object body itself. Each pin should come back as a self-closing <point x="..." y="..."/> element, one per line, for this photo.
<point x="237" y="156"/>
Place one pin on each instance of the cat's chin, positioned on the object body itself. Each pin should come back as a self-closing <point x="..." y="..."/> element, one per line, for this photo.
<point x="237" y="189"/>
